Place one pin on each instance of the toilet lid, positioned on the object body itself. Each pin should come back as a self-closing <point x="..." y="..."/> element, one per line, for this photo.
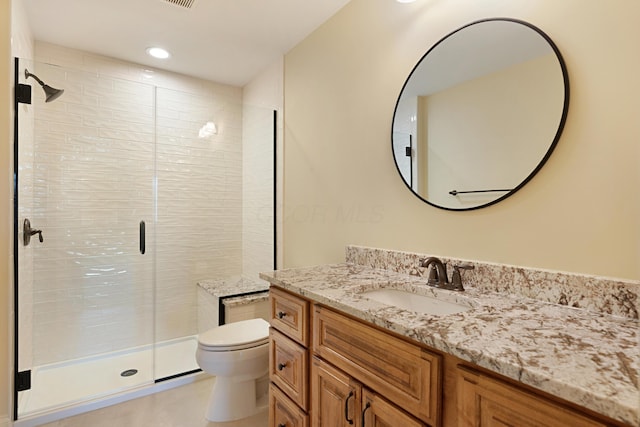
<point x="236" y="335"/>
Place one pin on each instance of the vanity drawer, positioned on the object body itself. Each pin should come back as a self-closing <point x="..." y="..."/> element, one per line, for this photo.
<point x="405" y="374"/>
<point x="290" y="315"/>
<point x="283" y="412"/>
<point x="289" y="367"/>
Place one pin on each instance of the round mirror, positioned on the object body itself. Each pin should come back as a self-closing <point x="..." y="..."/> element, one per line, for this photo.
<point x="480" y="114"/>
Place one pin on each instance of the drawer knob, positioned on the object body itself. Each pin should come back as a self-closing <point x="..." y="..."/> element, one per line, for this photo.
<point x="281" y="314"/>
<point x="282" y="425"/>
<point x="281" y="366"/>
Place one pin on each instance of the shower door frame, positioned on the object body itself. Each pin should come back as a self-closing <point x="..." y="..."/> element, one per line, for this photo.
<point x="18" y="378"/>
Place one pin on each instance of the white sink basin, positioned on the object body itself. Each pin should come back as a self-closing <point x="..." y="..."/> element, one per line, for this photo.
<point x="414" y="302"/>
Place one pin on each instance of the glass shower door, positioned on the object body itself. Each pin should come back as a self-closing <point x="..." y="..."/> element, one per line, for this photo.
<point x="85" y="290"/>
<point x="215" y="202"/>
<point x="199" y="214"/>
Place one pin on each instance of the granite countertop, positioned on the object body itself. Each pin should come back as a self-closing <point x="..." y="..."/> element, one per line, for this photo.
<point x="246" y="299"/>
<point x="586" y="358"/>
<point x="232" y="286"/>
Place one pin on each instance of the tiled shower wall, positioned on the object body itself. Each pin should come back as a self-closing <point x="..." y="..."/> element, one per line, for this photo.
<point x="257" y="185"/>
<point x="92" y="288"/>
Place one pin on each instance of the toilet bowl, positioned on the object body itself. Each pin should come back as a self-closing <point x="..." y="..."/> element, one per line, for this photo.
<point x="237" y="354"/>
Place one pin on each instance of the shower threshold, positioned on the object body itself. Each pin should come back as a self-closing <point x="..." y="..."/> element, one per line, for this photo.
<point x="73" y="382"/>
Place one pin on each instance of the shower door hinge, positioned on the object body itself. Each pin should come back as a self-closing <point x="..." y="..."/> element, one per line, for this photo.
<point x="23" y="93"/>
<point x="23" y="380"/>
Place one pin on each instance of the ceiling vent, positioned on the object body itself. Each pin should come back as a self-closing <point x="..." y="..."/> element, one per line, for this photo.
<point x="186" y="4"/>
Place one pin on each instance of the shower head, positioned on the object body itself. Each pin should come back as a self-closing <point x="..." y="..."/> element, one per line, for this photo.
<point x="51" y="93"/>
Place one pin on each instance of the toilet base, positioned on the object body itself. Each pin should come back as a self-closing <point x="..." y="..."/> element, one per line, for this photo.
<point x="232" y="400"/>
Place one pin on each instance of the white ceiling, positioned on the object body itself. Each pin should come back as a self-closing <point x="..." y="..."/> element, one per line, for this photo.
<point x="226" y="41"/>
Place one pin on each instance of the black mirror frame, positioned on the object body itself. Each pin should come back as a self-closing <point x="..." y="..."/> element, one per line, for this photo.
<point x="565" y="110"/>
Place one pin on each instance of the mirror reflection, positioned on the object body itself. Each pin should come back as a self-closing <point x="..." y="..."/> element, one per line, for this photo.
<point x="479" y="114"/>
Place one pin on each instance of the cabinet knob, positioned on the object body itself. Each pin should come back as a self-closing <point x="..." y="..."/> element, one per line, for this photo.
<point x="282" y="425"/>
<point x="281" y="366"/>
<point x="281" y="314"/>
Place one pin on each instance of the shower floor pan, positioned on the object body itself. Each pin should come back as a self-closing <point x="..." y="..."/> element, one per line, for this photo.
<point x="71" y="382"/>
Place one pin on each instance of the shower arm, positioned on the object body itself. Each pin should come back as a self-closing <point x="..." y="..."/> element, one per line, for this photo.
<point x="27" y="74"/>
<point x="51" y="93"/>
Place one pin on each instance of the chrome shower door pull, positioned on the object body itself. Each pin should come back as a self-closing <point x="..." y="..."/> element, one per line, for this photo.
<point x="27" y="232"/>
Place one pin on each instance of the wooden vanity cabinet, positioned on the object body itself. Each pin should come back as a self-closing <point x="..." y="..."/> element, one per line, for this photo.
<point x="290" y="315"/>
<point x="330" y="370"/>
<point x="283" y="412"/>
<point x="378" y="412"/>
<point x="343" y="370"/>
<point x="335" y="396"/>
<point x="405" y="374"/>
<point x="289" y="367"/>
<point x="288" y="360"/>
<point x="340" y="401"/>
<point x="485" y="401"/>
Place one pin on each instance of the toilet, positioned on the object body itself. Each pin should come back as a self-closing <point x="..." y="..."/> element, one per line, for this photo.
<point x="237" y="354"/>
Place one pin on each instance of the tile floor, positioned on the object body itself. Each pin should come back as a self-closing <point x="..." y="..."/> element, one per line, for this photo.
<point x="179" y="407"/>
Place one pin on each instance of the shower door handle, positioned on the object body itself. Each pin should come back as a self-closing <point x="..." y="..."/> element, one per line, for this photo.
<point x="142" y="238"/>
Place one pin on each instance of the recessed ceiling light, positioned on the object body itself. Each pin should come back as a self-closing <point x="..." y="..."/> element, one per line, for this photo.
<point x="405" y="1"/>
<point x="158" y="52"/>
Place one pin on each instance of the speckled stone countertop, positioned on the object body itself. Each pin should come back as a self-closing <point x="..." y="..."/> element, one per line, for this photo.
<point x="246" y="299"/>
<point x="232" y="286"/>
<point x="587" y="358"/>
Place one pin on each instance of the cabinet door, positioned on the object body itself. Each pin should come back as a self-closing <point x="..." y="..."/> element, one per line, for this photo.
<point x="377" y="412"/>
<point x="403" y="373"/>
<point x="335" y="397"/>
<point x="484" y="401"/>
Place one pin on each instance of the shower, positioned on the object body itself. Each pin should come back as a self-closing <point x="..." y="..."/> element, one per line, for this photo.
<point x="135" y="210"/>
<point x="52" y="93"/>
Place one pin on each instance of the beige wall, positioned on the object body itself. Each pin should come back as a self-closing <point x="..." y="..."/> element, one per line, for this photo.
<point x="580" y="213"/>
<point x="5" y="197"/>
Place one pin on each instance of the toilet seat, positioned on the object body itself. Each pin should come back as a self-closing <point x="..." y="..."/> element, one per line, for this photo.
<point x="235" y="336"/>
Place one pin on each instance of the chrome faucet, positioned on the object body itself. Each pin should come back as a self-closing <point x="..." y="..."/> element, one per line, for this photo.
<point x="438" y="274"/>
